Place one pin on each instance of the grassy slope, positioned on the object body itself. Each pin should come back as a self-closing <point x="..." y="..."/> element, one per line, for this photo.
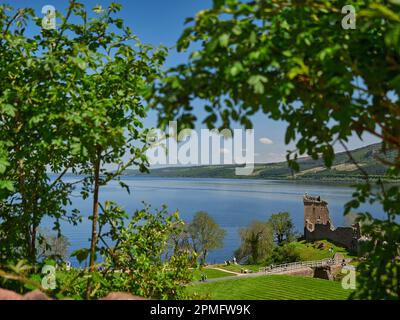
<point x="342" y="169"/>
<point x="274" y="287"/>
<point x="308" y="251"/>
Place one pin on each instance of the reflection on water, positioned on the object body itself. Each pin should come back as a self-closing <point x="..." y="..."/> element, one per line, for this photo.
<point x="232" y="203"/>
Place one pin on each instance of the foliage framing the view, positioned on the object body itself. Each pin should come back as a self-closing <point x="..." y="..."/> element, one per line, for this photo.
<point x="293" y="61"/>
<point x="72" y="101"/>
<point x="64" y="107"/>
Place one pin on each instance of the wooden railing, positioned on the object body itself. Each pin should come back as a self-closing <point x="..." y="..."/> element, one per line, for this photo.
<point x="298" y="265"/>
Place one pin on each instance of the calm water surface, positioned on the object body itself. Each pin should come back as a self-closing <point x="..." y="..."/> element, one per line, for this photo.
<point x="232" y="203"/>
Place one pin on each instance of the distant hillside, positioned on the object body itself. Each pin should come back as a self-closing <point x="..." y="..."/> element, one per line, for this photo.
<point x="342" y="169"/>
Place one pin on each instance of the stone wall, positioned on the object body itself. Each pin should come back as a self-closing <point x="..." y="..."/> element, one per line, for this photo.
<point x="303" y="272"/>
<point x="318" y="226"/>
<point x="346" y="236"/>
<point x="323" y="273"/>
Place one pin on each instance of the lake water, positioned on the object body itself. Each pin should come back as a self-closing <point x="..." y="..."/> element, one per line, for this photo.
<point x="232" y="203"/>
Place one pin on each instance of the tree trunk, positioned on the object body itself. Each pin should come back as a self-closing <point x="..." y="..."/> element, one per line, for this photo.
<point x="204" y="256"/>
<point x="280" y="238"/>
<point x="32" y="249"/>
<point x="95" y="211"/>
<point x="95" y="214"/>
<point x="35" y="208"/>
<point x="23" y="193"/>
<point x="24" y="203"/>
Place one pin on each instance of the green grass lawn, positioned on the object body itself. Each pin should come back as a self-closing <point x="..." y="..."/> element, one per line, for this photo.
<point x="308" y="251"/>
<point x="274" y="287"/>
<point x="211" y="274"/>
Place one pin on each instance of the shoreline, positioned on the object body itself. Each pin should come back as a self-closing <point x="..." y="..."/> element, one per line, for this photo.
<point x="334" y="181"/>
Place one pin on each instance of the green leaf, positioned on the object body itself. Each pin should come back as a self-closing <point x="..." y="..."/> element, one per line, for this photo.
<point x="300" y="69"/>
<point x="257" y="81"/>
<point x="3" y="165"/>
<point x="236" y="69"/>
<point x="81" y="254"/>
<point x="8" y="185"/>
<point x="76" y="148"/>
<point x="8" y="109"/>
<point x="125" y="186"/>
<point x="237" y="30"/>
<point x="224" y="40"/>
<point x="98" y="9"/>
<point x="79" y="62"/>
<point x="253" y="38"/>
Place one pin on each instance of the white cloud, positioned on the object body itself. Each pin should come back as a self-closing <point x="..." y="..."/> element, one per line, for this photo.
<point x="265" y="140"/>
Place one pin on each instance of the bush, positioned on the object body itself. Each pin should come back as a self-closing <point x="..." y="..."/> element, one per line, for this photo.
<point x="141" y="259"/>
<point x="283" y="254"/>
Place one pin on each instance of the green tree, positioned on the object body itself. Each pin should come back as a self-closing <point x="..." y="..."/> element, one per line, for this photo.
<point x="33" y="103"/>
<point x="106" y="109"/>
<point x="72" y="101"/>
<point x="181" y="242"/>
<point x="282" y="226"/>
<point x="105" y="126"/>
<point x="257" y="242"/>
<point x="52" y="246"/>
<point x="137" y="245"/>
<point x="205" y="234"/>
<point x="296" y="63"/>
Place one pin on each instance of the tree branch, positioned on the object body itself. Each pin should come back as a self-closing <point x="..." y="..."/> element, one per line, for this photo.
<point x="58" y="178"/>
<point x="366" y="176"/>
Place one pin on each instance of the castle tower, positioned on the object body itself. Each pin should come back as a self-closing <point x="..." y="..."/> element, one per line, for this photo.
<point x="318" y="225"/>
<point x="315" y="212"/>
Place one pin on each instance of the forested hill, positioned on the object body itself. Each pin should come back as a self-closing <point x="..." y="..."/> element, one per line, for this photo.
<point x="343" y="168"/>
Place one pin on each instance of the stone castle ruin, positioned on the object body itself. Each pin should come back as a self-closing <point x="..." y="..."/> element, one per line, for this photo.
<point x="318" y="225"/>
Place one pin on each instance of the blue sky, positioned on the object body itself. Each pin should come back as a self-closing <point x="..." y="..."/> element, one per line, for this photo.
<point x="161" y="22"/>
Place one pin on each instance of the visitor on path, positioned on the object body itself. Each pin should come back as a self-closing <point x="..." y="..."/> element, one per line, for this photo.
<point x="203" y="277"/>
